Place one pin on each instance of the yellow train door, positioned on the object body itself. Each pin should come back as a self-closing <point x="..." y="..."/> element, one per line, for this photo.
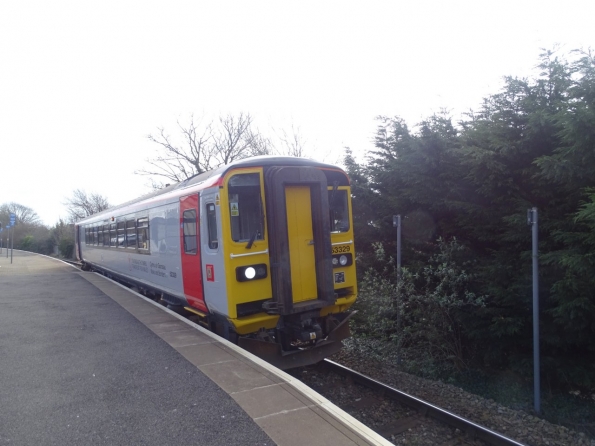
<point x="301" y="243"/>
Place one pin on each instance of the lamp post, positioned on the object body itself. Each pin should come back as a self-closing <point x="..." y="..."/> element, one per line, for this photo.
<point x="532" y="221"/>
<point x="397" y="224"/>
<point x="13" y="221"/>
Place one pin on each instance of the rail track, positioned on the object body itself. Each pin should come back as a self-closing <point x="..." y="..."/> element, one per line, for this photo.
<point x="398" y="421"/>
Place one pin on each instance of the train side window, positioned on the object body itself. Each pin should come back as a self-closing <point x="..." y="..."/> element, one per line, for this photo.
<point x="100" y="235"/>
<point x="113" y="235"/>
<point x="142" y="233"/>
<point x="245" y="207"/>
<point x="131" y="233"/>
<point x="94" y="229"/>
<point x="338" y="210"/>
<point x="189" y="225"/>
<point x="121" y="241"/>
<point x="212" y="226"/>
<point x="86" y="236"/>
<point x="106" y="235"/>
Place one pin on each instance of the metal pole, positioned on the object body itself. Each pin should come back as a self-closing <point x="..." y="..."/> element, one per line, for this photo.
<point x="399" y="248"/>
<point x="533" y="221"/>
<point x="11" y="245"/>
<point x="397" y="223"/>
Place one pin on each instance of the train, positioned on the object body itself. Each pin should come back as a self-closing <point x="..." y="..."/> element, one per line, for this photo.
<point x="260" y="251"/>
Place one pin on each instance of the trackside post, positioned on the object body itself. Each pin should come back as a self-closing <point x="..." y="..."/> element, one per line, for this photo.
<point x="397" y="224"/>
<point x="532" y="221"/>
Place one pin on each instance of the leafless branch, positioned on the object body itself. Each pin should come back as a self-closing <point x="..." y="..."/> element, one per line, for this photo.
<point x="82" y="205"/>
<point x="205" y="147"/>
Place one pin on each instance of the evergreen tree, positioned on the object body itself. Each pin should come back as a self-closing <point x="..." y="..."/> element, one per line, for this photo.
<point x="530" y="145"/>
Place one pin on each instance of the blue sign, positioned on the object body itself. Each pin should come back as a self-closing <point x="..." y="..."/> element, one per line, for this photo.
<point x="13" y="217"/>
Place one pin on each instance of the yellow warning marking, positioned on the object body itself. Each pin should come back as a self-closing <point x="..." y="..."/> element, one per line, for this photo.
<point x="235" y="211"/>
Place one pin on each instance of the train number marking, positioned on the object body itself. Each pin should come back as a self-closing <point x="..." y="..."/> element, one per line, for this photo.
<point x="341" y="249"/>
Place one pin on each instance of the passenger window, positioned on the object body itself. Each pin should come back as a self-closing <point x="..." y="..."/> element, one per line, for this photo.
<point x="106" y="235"/>
<point x="100" y="235"/>
<point x="245" y="207"/>
<point x="130" y="234"/>
<point x="189" y="226"/>
<point x="121" y="242"/>
<point x="212" y="226"/>
<point x="142" y="233"/>
<point x="113" y="235"/>
<point x="339" y="210"/>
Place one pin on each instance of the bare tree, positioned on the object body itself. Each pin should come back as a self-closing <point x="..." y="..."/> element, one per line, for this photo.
<point x="236" y="139"/>
<point x="292" y="143"/>
<point x="179" y="162"/>
<point x="82" y="205"/>
<point x="24" y="214"/>
<point x="205" y="146"/>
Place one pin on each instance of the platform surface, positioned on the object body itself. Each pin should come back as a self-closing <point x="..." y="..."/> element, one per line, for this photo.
<point x="84" y="360"/>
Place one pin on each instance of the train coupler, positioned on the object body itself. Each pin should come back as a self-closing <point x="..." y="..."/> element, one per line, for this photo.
<point x="273" y="353"/>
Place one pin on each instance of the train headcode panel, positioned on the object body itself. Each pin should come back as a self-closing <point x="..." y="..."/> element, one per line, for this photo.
<point x="259" y="251"/>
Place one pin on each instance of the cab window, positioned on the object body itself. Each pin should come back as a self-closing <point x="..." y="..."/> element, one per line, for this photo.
<point x="245" y="207"/>
<point x="339" y="210"/>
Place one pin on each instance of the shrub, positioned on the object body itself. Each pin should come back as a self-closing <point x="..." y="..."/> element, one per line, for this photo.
<point x="420" y="316"/>
<point x="66" y="247"/>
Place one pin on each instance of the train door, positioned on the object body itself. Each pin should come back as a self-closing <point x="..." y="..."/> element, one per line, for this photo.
<point x="190" y="249"/>
<point x="213" y="264"/>
<point x="300" y="234"/>
<point x="299" y="239"/>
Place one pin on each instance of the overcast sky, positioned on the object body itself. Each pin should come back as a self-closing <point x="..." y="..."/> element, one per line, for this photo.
<point x="83" y="83"/>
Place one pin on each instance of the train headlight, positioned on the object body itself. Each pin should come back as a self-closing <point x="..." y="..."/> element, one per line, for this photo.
<point x="340" y="260"/>
<point x="251" y="272"/>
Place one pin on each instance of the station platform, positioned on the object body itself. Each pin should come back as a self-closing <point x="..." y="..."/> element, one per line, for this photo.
<point x="84" y="360"/>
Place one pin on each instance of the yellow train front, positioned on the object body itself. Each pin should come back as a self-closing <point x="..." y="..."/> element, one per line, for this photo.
<point x="259" y="251"/>
<point x="288" y="259"/>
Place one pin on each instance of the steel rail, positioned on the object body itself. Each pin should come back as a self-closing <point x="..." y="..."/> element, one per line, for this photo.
<point x="425" y="408"/>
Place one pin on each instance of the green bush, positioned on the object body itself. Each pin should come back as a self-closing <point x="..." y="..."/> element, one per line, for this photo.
<point x="66" y="247"/>
<point x="27" y="243"/>
<point x="418" y="319"/>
